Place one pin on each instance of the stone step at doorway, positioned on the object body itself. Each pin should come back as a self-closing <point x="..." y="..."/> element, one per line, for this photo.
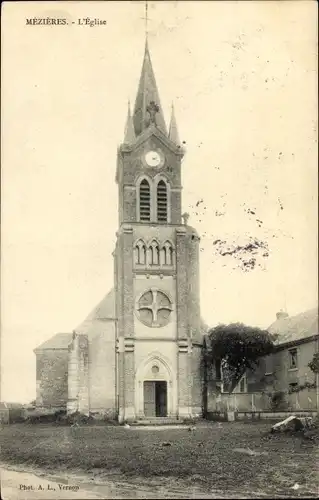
<point x="157" y="421"/>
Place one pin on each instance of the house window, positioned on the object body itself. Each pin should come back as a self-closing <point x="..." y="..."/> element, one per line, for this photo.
<point x="293" y="361"/>
<point x="161" y="202"/>
<point x="145" y="201"/>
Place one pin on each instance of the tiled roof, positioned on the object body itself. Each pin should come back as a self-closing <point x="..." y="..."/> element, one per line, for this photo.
<point x="58" y="341"/>
<point x="104" y="311"/>
<point x="92" y="325"/>
<point x="295" y="328"/>
<point x="10" y="406"/>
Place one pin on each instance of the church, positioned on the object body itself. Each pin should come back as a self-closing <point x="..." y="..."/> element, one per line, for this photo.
<point x="138" y="353"/>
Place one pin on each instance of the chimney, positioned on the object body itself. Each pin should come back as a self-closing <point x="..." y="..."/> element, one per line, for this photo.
<point x="281" y="315"/>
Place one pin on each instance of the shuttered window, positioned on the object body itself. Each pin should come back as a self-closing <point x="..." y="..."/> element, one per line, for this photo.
<point x="161" y="202"/>
<point x="145" y="201"/>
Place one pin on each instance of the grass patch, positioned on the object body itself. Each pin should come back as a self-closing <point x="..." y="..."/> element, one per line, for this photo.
<point x="205" y="458"/>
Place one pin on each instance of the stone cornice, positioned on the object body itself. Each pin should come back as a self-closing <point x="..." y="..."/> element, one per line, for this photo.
<point x="133" y="187"/>
<point x="152" y="224"/>
<point x="155" y="272"/>
<point x="155" y="339"/>
<point x="292" y="343"/>
<point x="184" y="345"/>
<point x="127" y="229"/>
<point x="181" y="231"/>
<point x="152" y="130"/>
<point x="128" y="344"/>
<point x="125" y="344"/>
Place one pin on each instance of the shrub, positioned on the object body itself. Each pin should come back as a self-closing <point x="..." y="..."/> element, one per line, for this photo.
<point x="314" y="363"/>
<point x="79" y="418"/>
<point x="41" y="418"/>
<point x="59" y="415"/>
<point x="235" y="348"/>
<point x="46" y="416"/>
<point x="302" y="387"/>
<point x="278" y="400"/>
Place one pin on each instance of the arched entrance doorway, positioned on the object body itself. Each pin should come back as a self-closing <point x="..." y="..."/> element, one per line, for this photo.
<point x="155" y="388"/>
<point x="155" y="398"/>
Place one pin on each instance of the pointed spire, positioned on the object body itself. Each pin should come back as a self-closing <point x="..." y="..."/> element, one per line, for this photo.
<point x="129" y="135"/>
<point x="173" y="132"/>
<point x="147" y="109"/>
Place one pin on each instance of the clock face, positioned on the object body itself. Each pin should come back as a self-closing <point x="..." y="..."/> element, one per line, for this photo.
<point x="154" y="159"/>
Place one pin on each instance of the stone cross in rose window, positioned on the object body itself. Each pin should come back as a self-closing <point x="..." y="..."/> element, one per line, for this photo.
<point x="154" y="307"/>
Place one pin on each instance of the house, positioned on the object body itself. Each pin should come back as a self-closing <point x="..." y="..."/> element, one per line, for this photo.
<point x="297" y="341"/>
<point x="285" y="372"/>
<point x="11" y="412"/>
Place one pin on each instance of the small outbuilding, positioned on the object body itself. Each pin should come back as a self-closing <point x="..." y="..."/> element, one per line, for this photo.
<point x="11" y="412"/>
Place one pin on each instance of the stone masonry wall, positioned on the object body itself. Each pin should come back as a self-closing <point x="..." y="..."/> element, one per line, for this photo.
<point x="52" y="378"/>
<point x="102" y="372"/>
<point x="78" y="375"/>
<point x="197" y="381"/>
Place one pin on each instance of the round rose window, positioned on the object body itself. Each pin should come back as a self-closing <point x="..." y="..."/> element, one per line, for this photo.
<point x="154" y="308"/>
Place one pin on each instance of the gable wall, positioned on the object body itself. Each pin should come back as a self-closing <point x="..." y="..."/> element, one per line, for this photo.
<point x="52" y="378"/>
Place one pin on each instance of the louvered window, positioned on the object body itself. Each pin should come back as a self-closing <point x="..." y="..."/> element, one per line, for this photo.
<point x="161" y="202"/>
<point x="145" y="201"/>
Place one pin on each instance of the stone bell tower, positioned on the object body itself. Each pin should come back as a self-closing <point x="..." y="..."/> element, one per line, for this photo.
<point x="156" y="269"/>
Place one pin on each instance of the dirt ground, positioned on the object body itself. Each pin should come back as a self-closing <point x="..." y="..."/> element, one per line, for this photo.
<point x="233" y="458"/>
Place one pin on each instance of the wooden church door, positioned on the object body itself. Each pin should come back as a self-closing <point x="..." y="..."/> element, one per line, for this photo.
<point x="149" y="399"/>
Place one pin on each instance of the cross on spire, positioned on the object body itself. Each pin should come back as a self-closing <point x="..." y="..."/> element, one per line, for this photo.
<point x="147" y="92"/>
<point x="152" y="109"/>
<point x="146" y="19"/>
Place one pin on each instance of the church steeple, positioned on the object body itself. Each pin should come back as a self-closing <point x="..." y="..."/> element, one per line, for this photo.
<point x="173" y="132"/>
<point x="129" y="134"/>
<point x="147" y="109"/>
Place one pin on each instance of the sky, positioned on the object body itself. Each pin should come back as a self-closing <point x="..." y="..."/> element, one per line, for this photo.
<point x="243" y="79"/>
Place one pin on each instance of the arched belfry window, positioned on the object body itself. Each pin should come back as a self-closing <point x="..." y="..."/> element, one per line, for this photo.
<point x="161" y="198"/>
<point x="140" y="252"/>
<point x="145" y="201"/>
<point x="154" y="253"/>
<point x="167" y="252"/>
